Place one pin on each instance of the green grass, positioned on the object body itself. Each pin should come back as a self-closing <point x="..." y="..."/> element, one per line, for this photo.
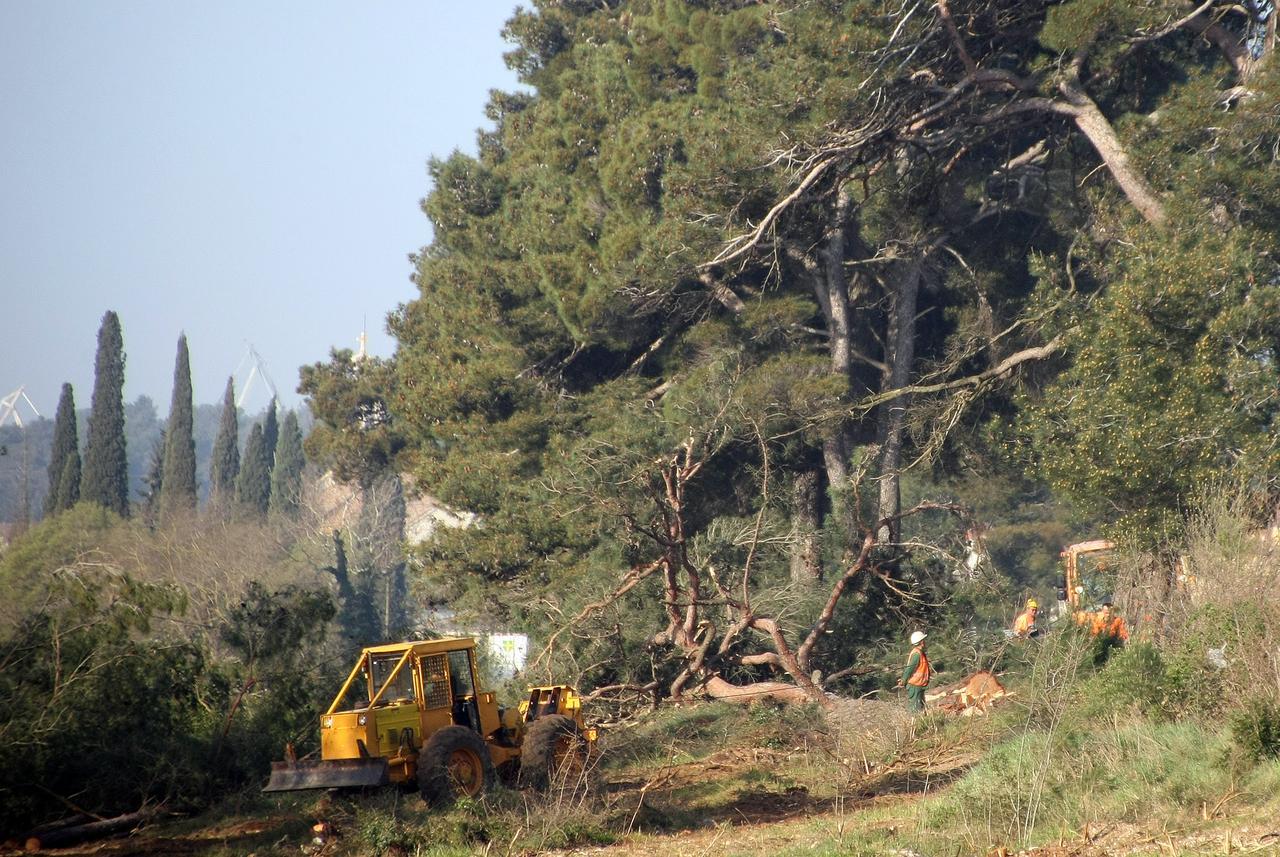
<point x="1036" y="786"/>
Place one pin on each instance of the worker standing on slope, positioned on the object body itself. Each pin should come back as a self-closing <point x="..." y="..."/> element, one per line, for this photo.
<point x="1107" y="623"/>
<point x="916" y="674"/>
<point x="1025" y="625"/>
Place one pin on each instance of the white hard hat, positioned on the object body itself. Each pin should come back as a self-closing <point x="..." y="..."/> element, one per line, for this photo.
<point x="917" y="636"/>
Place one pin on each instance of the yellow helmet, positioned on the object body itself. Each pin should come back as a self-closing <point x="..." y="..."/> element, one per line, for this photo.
<point x="1031" y="602"/>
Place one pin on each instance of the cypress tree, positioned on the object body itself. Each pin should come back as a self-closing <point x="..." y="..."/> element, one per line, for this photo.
<point x="225" y="466"/>
<point x="105" y="479"/>
<point x="178" y="480"/>
<point x="253" y="488"/>
<point x="68" y="493"/>
<point x="153" y="481"/>
<point x="270" y="433"/>
<point x="286" y="476"/>
<point x="66" y="445"/>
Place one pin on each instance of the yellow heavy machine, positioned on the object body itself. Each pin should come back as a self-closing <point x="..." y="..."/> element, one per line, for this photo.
<point x="1088" y="578"/>
<point x="413" y="712"/>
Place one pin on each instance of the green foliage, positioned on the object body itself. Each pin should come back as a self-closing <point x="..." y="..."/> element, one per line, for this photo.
<point x="65" y="448"/>
<point x="1137" y="677"/>
<point x="27" y="566"/>
<point x="178" y="480"/>
<point x="225" y="466"/>
<point x="105" y="476"/>
<point x="68" y="492"/>
<point x="1169" y="386"/>
<point x="253" y="485"/>
<point x="91" y="708"/>
<point x="153" y="481"/>
<point x="286" y="476"/>
<point x="271" y="433"/>
<point x="570" y="333"/>
<point x="357" y="432"/>
<point x="1255" y="730"/>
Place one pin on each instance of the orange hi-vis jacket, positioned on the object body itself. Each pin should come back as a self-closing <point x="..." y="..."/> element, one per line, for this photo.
<point x="1099" y="623"/>
<point x="1111" y="626"/>
<point x="920" y="678"/>
<point x="1024" y="623"/>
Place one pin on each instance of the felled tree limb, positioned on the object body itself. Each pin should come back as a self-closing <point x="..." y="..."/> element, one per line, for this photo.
<point x="64" y="836"/>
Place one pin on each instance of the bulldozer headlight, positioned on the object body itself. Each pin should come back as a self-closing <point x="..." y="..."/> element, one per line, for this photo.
<point x="326" y="723"/>
<point x="362" y="719"/>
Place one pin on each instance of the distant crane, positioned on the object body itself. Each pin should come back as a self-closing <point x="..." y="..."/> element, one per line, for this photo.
<point x="9" y="407"/>
<point x="257" y="369"/>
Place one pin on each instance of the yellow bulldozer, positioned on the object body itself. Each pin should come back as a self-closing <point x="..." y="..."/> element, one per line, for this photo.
<point x="413" y="712"/>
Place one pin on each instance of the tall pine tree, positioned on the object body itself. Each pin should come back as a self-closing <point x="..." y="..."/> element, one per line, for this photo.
<point x="105" y="479"/>
<point x="225" y="466"/>
<point x="253" y="487"/>
<point x="178" y="479"/>
<point x="286" y="476"/>
<point x="66" y="445"/>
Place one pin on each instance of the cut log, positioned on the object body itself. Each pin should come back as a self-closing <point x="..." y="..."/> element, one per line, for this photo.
<point x="973" y="695"/>
<point x="719" y="689"/>
<point x="72" y="834"/>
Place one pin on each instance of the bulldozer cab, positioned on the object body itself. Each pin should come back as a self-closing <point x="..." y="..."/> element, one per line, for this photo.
<point x="1088" y="578"/>
<point x="435" y="682"/>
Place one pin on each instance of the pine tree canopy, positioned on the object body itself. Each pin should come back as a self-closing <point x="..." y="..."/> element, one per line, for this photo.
<point x="726" y="263"/>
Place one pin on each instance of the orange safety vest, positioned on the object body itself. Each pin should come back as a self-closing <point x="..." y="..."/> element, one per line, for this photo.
<point x="1112" y="626"/>
<point x="920" y="678"/>
<point x="1023" y="624"/>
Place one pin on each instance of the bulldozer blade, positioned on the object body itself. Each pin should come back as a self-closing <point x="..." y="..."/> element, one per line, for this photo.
<point x="331" y="774"/>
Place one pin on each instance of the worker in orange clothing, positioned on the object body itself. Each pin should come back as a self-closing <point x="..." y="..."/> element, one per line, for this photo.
<point x="1108" y="623"/>
<point x="1025" y="625"/>
<point x="917" y="673"/>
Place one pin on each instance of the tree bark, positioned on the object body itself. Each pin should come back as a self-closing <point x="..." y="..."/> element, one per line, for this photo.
<point x="806" y="562"/>
<point x="835" y="305"/>
<point x="893" y="414"/>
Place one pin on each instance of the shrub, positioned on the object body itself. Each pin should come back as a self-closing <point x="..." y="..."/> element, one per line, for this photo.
<point x="1136" y="677"/>
<point x="1255" y="730"/>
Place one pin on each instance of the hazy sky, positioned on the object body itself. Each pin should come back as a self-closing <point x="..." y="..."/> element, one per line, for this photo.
<point x="246" y="172"/>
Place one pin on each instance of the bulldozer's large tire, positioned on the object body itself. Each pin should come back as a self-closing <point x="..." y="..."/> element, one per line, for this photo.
<point x="555" y="755"/>
<point x="454" y="763"/>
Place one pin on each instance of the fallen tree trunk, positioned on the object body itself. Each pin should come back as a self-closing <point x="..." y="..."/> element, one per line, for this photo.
<point x="721" y="690"/>
<point x="63" y="836"/>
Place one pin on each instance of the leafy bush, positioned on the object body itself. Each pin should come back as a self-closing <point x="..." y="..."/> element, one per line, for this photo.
<point x="1136" y="677"/>
<point x="1255" y="730"/>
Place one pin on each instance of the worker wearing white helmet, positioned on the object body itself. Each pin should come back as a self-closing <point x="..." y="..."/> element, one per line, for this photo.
<point x="916" y="674"/>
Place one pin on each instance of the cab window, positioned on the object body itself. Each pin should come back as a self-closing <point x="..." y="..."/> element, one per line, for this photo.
<point x="460" y="674"/>
<point x="435" y="689"/>
<point x="401" y="687"/>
